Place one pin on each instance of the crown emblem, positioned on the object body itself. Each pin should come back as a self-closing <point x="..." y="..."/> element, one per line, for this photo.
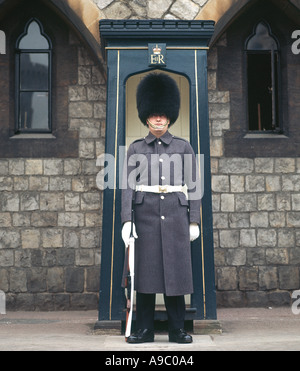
<point x="156" y="49"/>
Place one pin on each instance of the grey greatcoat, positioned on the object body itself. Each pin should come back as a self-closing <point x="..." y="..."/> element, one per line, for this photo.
<point x="163" y="252"/>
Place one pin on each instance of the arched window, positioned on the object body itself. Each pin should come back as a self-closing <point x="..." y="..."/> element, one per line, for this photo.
<point x="262" y="50"/>
<point x="33" y="80"/>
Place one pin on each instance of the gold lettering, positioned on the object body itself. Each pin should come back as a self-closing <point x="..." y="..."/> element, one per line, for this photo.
<point x="157" y="59"/>
<point x="153" y="59"/>
<point x="161" y="59"/>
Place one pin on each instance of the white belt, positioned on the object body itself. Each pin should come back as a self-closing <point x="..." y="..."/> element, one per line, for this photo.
<point x="162" y="189"/>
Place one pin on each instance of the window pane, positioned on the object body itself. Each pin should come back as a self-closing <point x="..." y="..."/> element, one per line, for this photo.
<point x="34" y="71"/>
<point x="34" y="111"/>
<point x="260" y="91"/>
<point x="262" y="40"/>
<point x="33" y="39"/>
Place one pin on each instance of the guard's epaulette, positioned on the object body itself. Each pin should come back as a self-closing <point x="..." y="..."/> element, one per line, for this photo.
<point x="138" y="140"/>
<point x="175" y="137"/>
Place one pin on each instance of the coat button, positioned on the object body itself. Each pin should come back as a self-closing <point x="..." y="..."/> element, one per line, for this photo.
<point x="162" y="217"/>
<point x="162" y="197"/>
<point x="159" y="142"/>
<point x="162" y="177"/>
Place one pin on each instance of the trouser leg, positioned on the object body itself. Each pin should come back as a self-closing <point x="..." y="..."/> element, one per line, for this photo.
<point x="145" y="308"/>
<point x="175" y="306"/>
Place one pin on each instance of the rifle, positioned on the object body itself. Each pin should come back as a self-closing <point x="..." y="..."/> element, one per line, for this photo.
<point x="130" y="280"/>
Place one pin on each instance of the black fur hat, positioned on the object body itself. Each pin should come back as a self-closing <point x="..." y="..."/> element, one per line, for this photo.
<point x="158" y="93"/>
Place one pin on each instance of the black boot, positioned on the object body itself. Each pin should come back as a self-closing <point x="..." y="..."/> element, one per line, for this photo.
<point x="141" y="336"/>
<point x="180" y="336"/>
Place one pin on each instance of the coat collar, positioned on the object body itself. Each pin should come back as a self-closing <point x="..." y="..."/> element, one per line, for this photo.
<point x="166" y="138"/>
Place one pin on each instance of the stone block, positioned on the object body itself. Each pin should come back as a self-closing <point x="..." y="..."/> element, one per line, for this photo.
<point x="60" y="183"/>
<point x="236" y="257"/>
<point x="72" y="167"/>
<point x="52" y="238"/>
<point x="236" y="165"/>
<point x="248" y="278"/>
<point x="30" y="238"/>
<point x="237" y="183"/>
<point x="273" y="183"/>
<point x="52" y="201"/>
<point x="245" y="202"/>
<point x="30" y="201"/>
<point x="267" y="278"/>
<point x="6" y="258"/>
<point x="90" y="238"/>
<point x="33" y="167"/>
<point x="248" y="238"/>
<point x="74" y="280"/>
<point x="286" y="238"/>
<point x="285" y="165"/>
<point x="53" y="167"/>
<point x="291" y="183"/>
<point x="90" y="201"/>
<point x="72" y="201"/>
<point x="84" y="257"/>
<point x="255" y="183"/>
<point x="81" y="110"/>
<point x="293" y="219"/>
<point x="239" y="220"/>
<point x="256" y="256"/>
<point x="55" y="279"/>
<point x="44" y="219"/>
<point x="220" y="183"/>
<point x="36" y="280"/>
<point x="6" y="184"/>
<point x="16" y="166"/>
<point x="266" y="237"/>
<point x="288" y="278"/>
<point x="296" y="202"/>
<point x="17" y="280"/>
<point x="277" y="256"/>
<point x="259" y="219"/>
<point x="266" y="202"/>
<point x="226" y="278"/>
<point x="229" y="238"/>
<point x="277" y="219"/>
<point x="9" y="201"/>
<point x="264" y="165"/>
<point x="5" y="220"/>
<point x="9" y="239"/>
<point x="70" y="219"/>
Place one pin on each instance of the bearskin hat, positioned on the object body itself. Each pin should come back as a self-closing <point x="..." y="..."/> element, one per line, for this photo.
<point x="158" y="93"/>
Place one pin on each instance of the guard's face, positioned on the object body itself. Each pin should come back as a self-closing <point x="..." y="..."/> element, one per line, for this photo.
<point x="158" y="124"/>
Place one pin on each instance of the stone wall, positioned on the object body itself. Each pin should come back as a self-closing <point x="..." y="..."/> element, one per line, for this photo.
<point x="143" y="9"/>
<point x="51" y="210"/>
<point x="256" y="215"/>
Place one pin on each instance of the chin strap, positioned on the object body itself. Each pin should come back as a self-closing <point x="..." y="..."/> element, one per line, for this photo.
<point x="154" y="126"/>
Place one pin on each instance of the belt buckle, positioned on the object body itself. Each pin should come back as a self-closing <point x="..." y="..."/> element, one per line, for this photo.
<point x="163" y="189"/>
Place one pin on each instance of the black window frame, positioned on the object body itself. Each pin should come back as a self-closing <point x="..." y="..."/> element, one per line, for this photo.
<point x="277" y="121"/>
<point x="18" y="90"/>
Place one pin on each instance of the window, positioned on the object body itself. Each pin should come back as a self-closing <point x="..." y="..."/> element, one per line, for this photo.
<point x="33" y="80"/>
<point x="263" y="80"/>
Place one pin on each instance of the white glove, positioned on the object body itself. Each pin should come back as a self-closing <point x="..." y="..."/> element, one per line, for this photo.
<point x="126" y="232"/>
<point x="194" y="231"/>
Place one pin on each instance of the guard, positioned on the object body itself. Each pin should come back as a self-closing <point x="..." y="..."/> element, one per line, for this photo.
<point x="161" y="177"/>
